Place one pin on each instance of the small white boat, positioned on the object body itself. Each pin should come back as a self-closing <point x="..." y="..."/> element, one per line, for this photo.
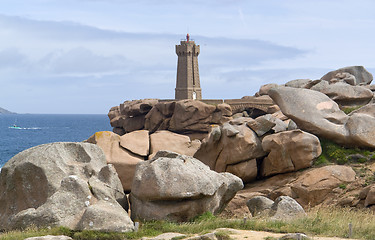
<point x="15" y="127"/>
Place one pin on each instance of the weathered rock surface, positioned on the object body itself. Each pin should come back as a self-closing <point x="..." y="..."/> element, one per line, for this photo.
<point x="166" y="140"/>
<point x="189" y="117"/>
<point x="160" y="116"/>
<point x="137" y="142"/>
<point x="322" y="117"/>
<point x="124" y="152"/>
<point x="62" y="184"/>
<point x="283" y="208"/>
<point x="309" y="188"/>
<point x="265" y="88"/>
<point x="123" y="160"/>
<point x="130" y="115"/>
<point x="368" y="194"/>
<point x="344" y="94"/>
<point x="298" y="83"/>
<point x="289" y="151"/>
<point x="178" y="187"/>
<point x="258" y="205"/>
<point x="314" y="186"/>
<point x="346" y="74"/>
<point x="368" y="109"/>
<point x="262" y="125"/>
<point x="137" y="107"/>
<point x="230" y="144"/>
<point x="286" y="208"/>
<point x="247" y="171"/>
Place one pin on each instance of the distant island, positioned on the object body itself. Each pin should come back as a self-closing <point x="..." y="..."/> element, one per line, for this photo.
<point x="4" y="111"/>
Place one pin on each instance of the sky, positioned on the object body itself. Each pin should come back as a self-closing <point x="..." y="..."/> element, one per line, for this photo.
<point x="86" y="56"/>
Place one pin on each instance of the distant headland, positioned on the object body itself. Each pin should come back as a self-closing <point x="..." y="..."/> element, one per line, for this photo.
<point x="4" y="111"/>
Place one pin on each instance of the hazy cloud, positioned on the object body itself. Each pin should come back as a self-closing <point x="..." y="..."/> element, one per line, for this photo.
<point x="83" y="61"/>
<point x="12" y="58"/>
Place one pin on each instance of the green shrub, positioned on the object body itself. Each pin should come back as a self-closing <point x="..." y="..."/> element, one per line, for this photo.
<point x="207" y="216"/>
<point x="362" y="160"/>
<point x="321" y="160"/>
<point x="334" y="153"/>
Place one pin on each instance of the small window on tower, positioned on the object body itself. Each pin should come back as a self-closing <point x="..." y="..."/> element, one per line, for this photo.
<point x="194" y="95"/>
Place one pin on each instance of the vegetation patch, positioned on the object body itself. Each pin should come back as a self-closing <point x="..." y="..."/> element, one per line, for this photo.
<point x="324" y="221"/>
<point x="222" y="235"/>
<point x="336" y="154"/>
<point x="348" y="110"/>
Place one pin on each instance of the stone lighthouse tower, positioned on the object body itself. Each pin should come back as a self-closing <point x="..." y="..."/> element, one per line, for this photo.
<point x="188" y="85"/>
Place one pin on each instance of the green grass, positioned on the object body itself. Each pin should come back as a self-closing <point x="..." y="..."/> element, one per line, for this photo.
<point x="348" y="110"/>
<point x="336" y="154"/>
<point x="332" y="221"/>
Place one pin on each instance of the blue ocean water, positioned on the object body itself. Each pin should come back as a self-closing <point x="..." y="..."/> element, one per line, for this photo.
<point x="36" y="129"/>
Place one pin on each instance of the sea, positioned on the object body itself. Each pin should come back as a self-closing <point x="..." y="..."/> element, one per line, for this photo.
<point x="36" y="129"/>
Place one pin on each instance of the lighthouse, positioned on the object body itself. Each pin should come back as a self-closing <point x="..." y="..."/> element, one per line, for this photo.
<point x="187" y="83"/>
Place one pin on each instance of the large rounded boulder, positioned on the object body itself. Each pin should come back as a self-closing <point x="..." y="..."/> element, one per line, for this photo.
<point x="62" y="184"/>
<point x="289" y="151"/>
<point x="178" y="187"/>
<point x="322" y="116"/>
<point x="354" y="75"/>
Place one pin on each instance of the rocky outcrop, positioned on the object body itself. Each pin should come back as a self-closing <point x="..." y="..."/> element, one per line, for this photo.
<point x="178" y="187"/>
<point x="188" y="117"/>
<point x="314" y="186"/>
<point x="354" y="75"/>
<point x="130" y="115"/>
<point x="344" y="94"/>
<point x="258" y="205"/>
<point x="265" y="88"/>
<point x="322" y="116"/>
<point x="286" y="208"/>
<point x="298" y="83"/>
<point x="368" y="194"/>
<point x="289" y="151"/>
<point x="137" y="142"/>
<point x="235" y="147"/>
<point x="232" y="147"/>
<point x="262" y="125"/>
<point x="62" y="184"/>
<point x="121" y="158"/>
<point x="309" y="188"/>
<point x="283" y="208"/>
<point x="126" y="151"/>
<point x="346" y="86"/>
<point x="166" y="140"/>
